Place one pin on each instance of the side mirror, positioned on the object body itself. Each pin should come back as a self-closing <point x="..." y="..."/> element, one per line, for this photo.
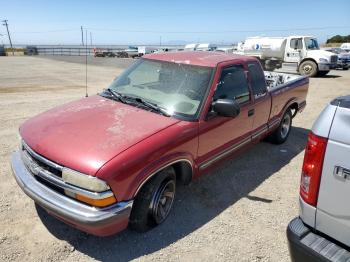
<point x="226" y="107"/>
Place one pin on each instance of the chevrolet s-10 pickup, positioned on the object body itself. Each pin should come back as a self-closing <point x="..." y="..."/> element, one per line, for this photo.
<point x="114" y="159"/>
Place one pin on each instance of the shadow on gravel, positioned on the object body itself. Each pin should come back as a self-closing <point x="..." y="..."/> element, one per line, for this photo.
<point x="196" y="204"/>
<point x="329" y="76"/>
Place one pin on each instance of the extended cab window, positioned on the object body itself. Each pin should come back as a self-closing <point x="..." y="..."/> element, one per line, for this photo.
<point x="233" y="85"/>
<point x="257" y="79"/>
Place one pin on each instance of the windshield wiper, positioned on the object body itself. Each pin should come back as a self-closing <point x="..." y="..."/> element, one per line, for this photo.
<point x="152" y="106"/>
<point x="129" y="99"/>
<point x="116" y="95"/>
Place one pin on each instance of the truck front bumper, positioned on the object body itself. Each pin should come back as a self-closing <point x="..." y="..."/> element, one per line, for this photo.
<point x="326" y="66"/>
<point x="96" y="221"/>
<point x="305" y="245"/>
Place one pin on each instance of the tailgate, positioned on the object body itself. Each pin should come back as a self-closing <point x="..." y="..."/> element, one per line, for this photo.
<point x="333" y="209"/>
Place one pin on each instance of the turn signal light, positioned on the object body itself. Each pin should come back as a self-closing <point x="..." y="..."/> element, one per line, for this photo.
<point x="96" y="202"/>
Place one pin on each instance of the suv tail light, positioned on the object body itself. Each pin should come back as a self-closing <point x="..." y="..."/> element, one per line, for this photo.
<point x="312" y="168"/>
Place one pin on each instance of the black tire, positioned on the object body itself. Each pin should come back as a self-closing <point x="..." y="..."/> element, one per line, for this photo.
<point x="345" y="68"/>
<point x="322" y="73"/>
<point x="147" y="209"/>
<point x="280" y="135"/>
<point x="308" y="68"/>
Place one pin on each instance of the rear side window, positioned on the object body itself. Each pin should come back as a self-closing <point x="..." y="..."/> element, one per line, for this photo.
<point x="233" y="85"/>
<point x="257" y="79"/>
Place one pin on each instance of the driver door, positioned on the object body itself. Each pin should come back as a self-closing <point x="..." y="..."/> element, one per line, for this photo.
<point x="220" y="136"/>
<point x="294" y="50"/>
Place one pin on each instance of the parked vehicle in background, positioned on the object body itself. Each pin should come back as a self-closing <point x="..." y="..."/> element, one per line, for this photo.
<point x="2" y="50"/>
<point x="142" y="50"/>
<point x="228" y="50"/>
<point x="345" y="46"/>
<point x="206" y="47"/>
<point x="122" y="54"/>
<point x="343" y="57"/>
<point x="322" y="230"/>
<point x="113" y="159"/>
<point x="31" y="50"/>
<point x="190" y="47"/>
<point x="103" y="53"/>
<point x="132" y="51"/>
<point x="295" y="54"/>
<point x="200" y="47"/>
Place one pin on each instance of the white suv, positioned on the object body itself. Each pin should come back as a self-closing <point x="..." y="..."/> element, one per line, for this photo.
<point x="322" y="230"/>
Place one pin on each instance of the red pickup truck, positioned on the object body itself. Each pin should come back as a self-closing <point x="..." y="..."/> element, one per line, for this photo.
<point x="112" y="160"/>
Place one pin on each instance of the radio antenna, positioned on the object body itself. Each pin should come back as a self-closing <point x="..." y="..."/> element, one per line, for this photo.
<point x="86" y="62"/>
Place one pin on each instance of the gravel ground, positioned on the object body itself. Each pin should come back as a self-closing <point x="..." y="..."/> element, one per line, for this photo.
<point x="239" y="212"/>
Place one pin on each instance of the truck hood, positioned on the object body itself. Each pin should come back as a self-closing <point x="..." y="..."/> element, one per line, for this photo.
<point x="317" y="54"/>
<point x="85" y="134"/>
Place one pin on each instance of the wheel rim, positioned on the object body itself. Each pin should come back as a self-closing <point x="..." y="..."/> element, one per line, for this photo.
<point x="307" y="69"/>
<point x="162" y="201"/>
<point x="285" y="127"/>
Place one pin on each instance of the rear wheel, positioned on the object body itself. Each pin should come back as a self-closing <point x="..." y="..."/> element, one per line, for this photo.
<point x="280" y="135"/>
<point x="308" y="68"/>
<point x="345" y="68"/>
<point x="153" y="203"/>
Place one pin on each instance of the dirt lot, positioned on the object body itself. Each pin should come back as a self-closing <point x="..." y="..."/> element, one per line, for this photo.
<point x="237" y="213"/>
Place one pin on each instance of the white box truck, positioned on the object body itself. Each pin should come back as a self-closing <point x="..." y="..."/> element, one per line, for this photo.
<point x="294" y="54"/>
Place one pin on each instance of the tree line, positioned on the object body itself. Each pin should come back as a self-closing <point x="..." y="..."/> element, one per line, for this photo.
<point x="339" y="39"/>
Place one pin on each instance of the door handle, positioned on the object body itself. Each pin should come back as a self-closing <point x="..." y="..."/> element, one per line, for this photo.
<point x="251" y="112"/>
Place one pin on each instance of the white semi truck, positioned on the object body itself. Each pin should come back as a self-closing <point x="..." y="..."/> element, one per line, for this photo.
<point x="298" y="54"/>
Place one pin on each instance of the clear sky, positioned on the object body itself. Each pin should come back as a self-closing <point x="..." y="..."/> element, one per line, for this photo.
<point x="136" y="22"/>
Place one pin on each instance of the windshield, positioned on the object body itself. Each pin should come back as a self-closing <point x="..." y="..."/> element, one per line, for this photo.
<point x="311" y="44"/>
<point x="177" y="88"/>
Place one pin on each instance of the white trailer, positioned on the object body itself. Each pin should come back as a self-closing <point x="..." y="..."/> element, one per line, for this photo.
<point x="142" y="50"/>
<point x="190" y="47"/>
<point x="295" y="54"/>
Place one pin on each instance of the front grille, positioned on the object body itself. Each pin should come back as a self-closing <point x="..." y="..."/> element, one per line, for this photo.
<point x="334" y="58"/>
<point x="49" y="174"/>
<point x="42" y="162"/>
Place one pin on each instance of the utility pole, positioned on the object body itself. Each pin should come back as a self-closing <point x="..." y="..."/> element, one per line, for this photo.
<point x="82" y="36"/>
<point x="160" y="40"/>
<point x="8" y="33"/>
<point x="90" y="39"/>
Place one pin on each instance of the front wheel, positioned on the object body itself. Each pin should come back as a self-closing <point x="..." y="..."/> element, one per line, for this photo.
<point x="280" y="135"/>
<point x="308" y="68"/>
<point x="345" y="68"/>
<point x="153" y="203"/>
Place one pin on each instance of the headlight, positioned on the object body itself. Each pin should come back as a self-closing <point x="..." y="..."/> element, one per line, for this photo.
<point x="90" y="183"/>
<point x="84" y="181"/>
<point x="323" y="60"/>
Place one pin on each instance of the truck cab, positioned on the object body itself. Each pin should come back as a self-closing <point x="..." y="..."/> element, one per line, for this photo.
<point x="305" y="51"/>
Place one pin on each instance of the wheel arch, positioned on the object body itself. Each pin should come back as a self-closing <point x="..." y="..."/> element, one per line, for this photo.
<point x="183" y="167"/>
<point x="308" y="59"/>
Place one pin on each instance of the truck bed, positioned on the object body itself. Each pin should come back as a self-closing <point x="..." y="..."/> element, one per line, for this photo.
<point x="276" y="80"/>
<point x="286" y="89"/>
